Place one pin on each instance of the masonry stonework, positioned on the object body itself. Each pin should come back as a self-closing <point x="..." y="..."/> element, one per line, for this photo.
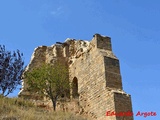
<point x="95" y="72"/>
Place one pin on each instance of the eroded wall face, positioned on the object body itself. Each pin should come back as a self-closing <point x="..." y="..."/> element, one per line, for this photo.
<point x="123" y="104"/>
<point x="38" y="58"/>
<point x="90" y="73"/>
<point x="95" y="90"/>
<point x="112" y="73"/>
<point x="99" y="81"/>
<point x="102" y="42"/>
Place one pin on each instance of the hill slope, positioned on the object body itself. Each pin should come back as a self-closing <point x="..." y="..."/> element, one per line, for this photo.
<point x="18" y="109"/>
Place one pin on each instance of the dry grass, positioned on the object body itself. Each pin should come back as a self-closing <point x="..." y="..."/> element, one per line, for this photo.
<point x="19" y="109"/>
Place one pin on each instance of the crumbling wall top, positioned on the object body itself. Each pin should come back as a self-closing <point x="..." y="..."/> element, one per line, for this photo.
<point x="102" y="42"/>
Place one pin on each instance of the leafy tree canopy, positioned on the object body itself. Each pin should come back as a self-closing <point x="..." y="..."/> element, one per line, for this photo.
<point x="11" y="69"/>
<point x="50" y="80"/>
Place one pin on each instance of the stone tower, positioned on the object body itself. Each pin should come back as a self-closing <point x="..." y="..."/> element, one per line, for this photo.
<point x="95" y="71"/>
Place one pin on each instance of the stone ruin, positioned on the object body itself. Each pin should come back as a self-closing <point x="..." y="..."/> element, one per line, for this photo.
<point x="94" y="70"/>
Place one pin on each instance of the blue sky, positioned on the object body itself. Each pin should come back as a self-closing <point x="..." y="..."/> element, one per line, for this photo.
<point x="133" y="26"/>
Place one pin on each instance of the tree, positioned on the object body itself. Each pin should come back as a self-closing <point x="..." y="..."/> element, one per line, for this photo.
<point x="49" y="80"/>
<point x="11" y="69"/>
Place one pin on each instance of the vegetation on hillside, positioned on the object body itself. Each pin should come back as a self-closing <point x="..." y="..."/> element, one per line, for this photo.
<point x="51" y="80"/>
<point x="19" y="109"/>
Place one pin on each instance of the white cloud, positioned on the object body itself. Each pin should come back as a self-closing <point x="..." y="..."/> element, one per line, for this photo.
<point x="57" y="11"/>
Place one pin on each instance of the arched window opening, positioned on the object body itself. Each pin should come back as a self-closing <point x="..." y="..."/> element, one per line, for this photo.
<point x="75" y="88"/>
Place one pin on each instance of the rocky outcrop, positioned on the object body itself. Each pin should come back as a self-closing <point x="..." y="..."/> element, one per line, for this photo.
<point x="96" y="72"/>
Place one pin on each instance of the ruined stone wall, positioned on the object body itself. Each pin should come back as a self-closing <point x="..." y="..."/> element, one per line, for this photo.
<point x="38" y="57"/>
<point x="95" y="71"/>
<point x="123" y="104"/>
<point x="90" y="73"/>
<point x="98" y="75"/>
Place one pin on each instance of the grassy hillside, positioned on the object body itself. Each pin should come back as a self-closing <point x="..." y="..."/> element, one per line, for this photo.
<point x="18" y="109"/>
